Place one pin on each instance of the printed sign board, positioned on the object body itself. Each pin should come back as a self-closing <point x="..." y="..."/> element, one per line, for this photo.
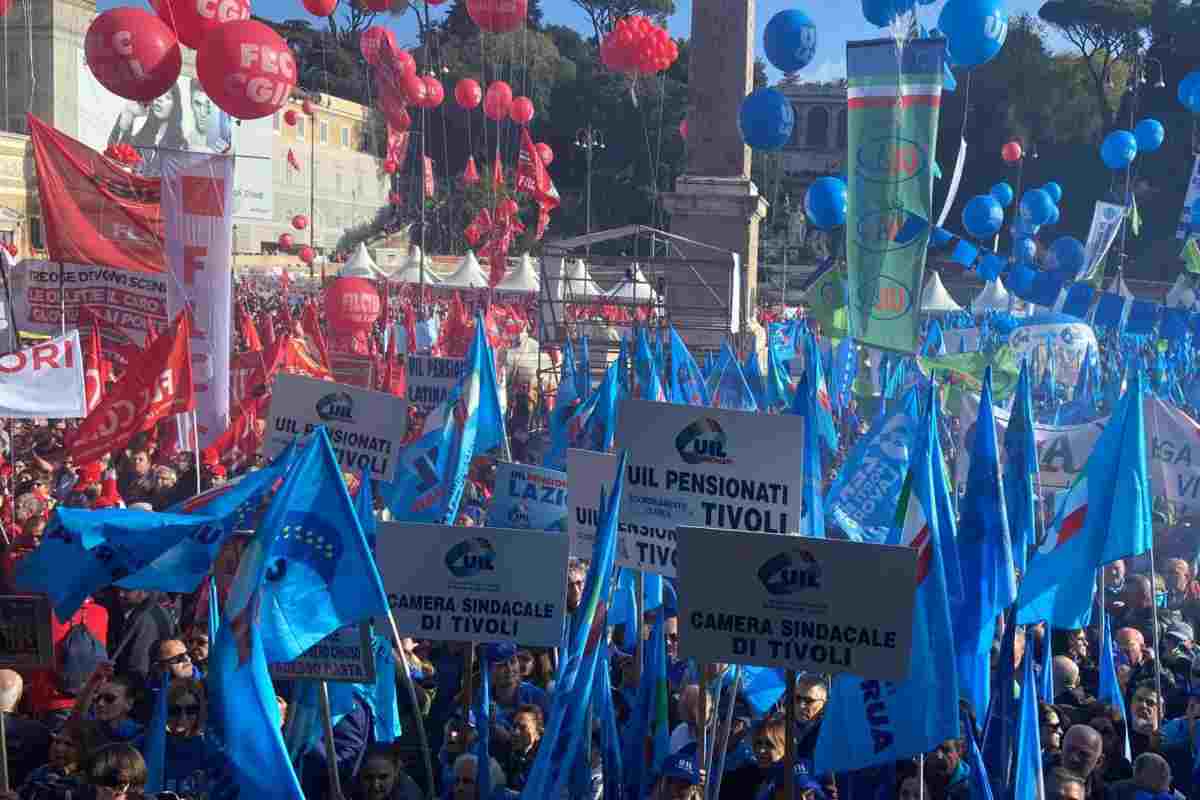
<point x="25" y="641"/>
<point x="796" y="602"/>
<point x="346" y="655"/>
<point x="708" y="467"/>
<point x="366" y="428"/>
<point x="529" y="498"/>
<point x="429" y="379"/>
<point x="474" y="584"/>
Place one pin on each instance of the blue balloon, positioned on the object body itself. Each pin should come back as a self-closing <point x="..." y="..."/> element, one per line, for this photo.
<point x="975" y="30"/>
<point x="1054" y="190"/>
<point x="1003" y="193"/>
<point x="983" y="216"/>
<point x="1054" y="217"/>
<point x="882" y="13"/>
<point x="1021" y="278"/>
<point x="1037" y="208"/>
<point x="991" y="266"/>
<point x="1119" y="150"/>
<point x="1068" y="255"/>
<point x="1189" y="92"/>
<point x="1024" y="250"/>
<point x="766" y="119"/>
<point x="790" y="40"/>
<point x="1149" y="134"/>
<point x="1196" y="215"/>
<point x="825" y="203"/>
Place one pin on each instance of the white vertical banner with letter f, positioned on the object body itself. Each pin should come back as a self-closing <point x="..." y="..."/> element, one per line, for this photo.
<point x="197" y="205"/>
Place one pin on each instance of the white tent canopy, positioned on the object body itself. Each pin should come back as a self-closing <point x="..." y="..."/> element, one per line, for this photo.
<point x="993" y="297"/>
<point x="1117" y="286"/>
<point x="634" y="289"/>
<point x="1181" y="295"/>
<point x="934" y="297"/>
<point x="361" y="265"/>
<point x="522" y="279"/>
<point x="577" y="282"/>
<point x="411" y="271"/>
<point x="468" y="275"/>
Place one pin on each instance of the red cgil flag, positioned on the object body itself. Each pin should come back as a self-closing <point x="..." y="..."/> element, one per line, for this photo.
<point x="428" y="177"/>
<point x="293" y="162"/>
<point x="497" y="171"/>
<point x="93" y="372"/>
<point x="471" y="173"/>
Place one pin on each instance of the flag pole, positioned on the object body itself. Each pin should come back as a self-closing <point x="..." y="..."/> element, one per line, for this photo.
<point x="468" y="686"/>
<point x="196" y="453"/>
<point x="789" y="739"/>
<point x="335" y="784"/>
<point x="1154" y="616"/>
<point x="702" y="727"/>
<point x="3" y="754"/>
<point x="412" y="696"/>
<point x="722" y="743"/>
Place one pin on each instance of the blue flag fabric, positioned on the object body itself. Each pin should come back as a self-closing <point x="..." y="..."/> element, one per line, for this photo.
<point x="754" y="379"/>
<point x="869" y="722"/>
<point x="1000" y="731"/>
<point x="981" y="787"/>
<point x="727" y="385"/>
<point x="243" y="713"/>
<point x="593" y="425"/>
<point x="1027" y="776"/>
<point x="364" y="509"/>
<point x="482" y="703"/>
<point x="647" y="371"/>
<point x="845" y="371"/>
<point x="321" y="575"/>
<point x="1020" y="472"/>
<point x="819" y="399"/>
<point x="779" y="385"/>
<point x="83" y="551"/>
<point x="1110" y="687"/>
<point x="565" y="735"/>
<point x="647" y="733"/>
<point x="1046" y="679"/>
<point x="985" y="556"/>
<point x="688" y="385"/>
<point x="812" y="506"/>
<point x="947" y="519"/>
<point x="605" y="714"/>
<point x="583" y="370"/>
<point x="155" y="748"/>
<point x="214" y="609"/>
<point x="1105" y="517"/>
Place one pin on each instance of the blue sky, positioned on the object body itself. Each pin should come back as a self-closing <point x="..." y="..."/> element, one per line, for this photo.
<point x="837" y="23"/>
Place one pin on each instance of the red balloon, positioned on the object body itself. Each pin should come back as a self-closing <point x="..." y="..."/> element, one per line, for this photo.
<point x="435" y="93"/>
<point x="133" y="54"/>
<point x="415" y="90"/>
<point x="498" y="100"/>
<point x="373" y="40"/>
<point x="308" y="255"/>
<point x="508" y="207"/>
<point x="521" y="110"/>
<point x="378" y="5"/>
<point x="193" y="21"/>
<point x="683" y="130"/>
<point x="472" y="234"/>
<point x="286" y="242"/>
<point x="435" y="2"/>
<point x="467" y="93"/>
<point x="395" y="198"/>
<point x="546" y="153"/>
<point x="498" y="16"/>
<point x="291" y="117"/>
<point x="247" y="69"/>
<point x="390" y="166"/>
<point x="5" y="5"/>
<point x="352" y="305"/>
<point x="1011" y="152"/>
<point x="320" y="8"/>
<point x="308" y="108"/>
<point x="393" y="108"/>
<point x="299" y="222"/>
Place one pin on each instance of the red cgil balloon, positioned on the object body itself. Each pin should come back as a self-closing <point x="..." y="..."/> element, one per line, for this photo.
<point x="498" y="16"/>
<point x="415" y="90"/>
<point x="286" y="242"/>
<point x="291" y="117"/>
<point x="193" y="21"/>
<point x="498" y="100"/>
<point x="373" y="40"/>
<point x="546" y="153"/>
<point x="683" y="130"/>
<point x="352" y="305"/>
<point x="320" y="8"/>
<point x="247" y="69"/>
<point x="308" y="255"/>
<point x="133" y="54"/>
<point x="395" y="198"/>
<point x="435" y="93"/>
<point x="299" y="222"/>
<point x="521" y="110"/>
<point x="508" y="207"/>
<point x="1011" y="152"/>
<point x="467" y="93"/>
<point x="472" y="234"/>
<point x="390" y="166"/>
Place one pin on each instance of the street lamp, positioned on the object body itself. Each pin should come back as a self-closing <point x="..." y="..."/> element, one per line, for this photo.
<point x="589" y="139"/>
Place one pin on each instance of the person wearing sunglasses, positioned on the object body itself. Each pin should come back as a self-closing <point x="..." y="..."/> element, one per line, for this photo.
<point x="172" y="655"/>
<point x="191" y="763"/>
<point x="109" y="698"/>
<point x="116" y="772"/>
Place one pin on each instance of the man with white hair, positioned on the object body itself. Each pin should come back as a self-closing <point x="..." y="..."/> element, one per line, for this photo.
<point x="466" y="783"/>
<point x="28" y="741"/>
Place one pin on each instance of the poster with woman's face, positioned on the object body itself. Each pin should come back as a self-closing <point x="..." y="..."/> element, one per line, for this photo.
<point x="184" y="118"/>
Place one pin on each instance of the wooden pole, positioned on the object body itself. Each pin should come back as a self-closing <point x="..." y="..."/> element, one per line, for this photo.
<point x="789" y="752"/>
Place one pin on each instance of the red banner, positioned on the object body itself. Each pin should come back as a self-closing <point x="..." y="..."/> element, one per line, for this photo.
<point x="158" y="385"/>
<point x="247" y="376"/>
<point x="428" y="177"/>
<point x="241" y="442"/>
<point x="95" y="211"/>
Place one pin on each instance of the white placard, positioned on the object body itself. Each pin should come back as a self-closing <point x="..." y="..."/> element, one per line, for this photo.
<point x="346" y="655"/>
<point x="45" y="380"/>
<point x="365" y="428"/>
<point x="588" y="473"/>
<point x="706" y="467"/>
<point x="474" y="584"/>
<point x="797" y="603"/>
<point x="429" y="379"/>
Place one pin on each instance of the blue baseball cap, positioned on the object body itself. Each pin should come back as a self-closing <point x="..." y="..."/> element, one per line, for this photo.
<point x="681" y="766"/>
<point x="499" y="651"/>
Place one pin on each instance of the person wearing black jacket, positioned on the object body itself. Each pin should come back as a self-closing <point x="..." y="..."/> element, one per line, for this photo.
<point x="139" y="622"/>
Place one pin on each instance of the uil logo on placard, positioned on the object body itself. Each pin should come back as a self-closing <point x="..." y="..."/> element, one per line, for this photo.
<point x="792" y="572"/>
<point x="703" y="442"/>
<point x="336" y="407"/>
<point x="471" y="557"/>
<point x="518" y="515"/>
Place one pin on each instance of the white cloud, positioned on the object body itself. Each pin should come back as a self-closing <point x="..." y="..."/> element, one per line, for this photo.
<point x="825" y="71"/>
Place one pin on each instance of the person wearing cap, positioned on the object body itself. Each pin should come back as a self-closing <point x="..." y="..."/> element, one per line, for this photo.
<point x="806" y="786"/>
<point x="509" y="692"/>
<point x="458" y="736"/>
<point x="1179" y="651"/>
<point x="679" y="779"/>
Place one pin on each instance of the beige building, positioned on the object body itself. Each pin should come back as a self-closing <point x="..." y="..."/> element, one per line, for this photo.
<point x="818" y="144"/>
<point x="339" y="186"/>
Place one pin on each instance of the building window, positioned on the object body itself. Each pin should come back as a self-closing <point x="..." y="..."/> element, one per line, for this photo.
<point x="795" y="142"/>
<point x="300" y="129"/>
<point x="842" y="129"/>
<point x="817" y="128"/>
<point x="324" y="133"/>
<point x="345" y="137"/>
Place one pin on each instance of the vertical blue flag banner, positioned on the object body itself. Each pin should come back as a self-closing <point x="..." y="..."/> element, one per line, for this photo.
<point x="688" y="386"/>
<point x="1000" y="729"/>
<point x="155" y="748"/>
<point x="646" y="370"/>
<point x="1110" y="687"/>
<point x="812" y="506"/>
<point x="754" y="379"/>
<point x="1027" y="776"/>
<point x="482" y="706"/>
<point x="364" y="509"/>
<point x="1104" y="517"/>
<point x="528" y="498"/>
<point x="778" y="393"/>
<point x="320" y="575"/>
<point x="648" y="730"/>
<point x="1020" y="472"/>
<point x="727" y="385"/>
<point x="869" y="722"/>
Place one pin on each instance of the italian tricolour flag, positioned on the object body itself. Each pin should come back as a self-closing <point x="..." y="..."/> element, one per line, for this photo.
<point x="1071" y="516"/>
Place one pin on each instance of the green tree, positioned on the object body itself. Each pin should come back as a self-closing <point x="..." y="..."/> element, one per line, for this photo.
<point x="1103" y="31"/>
<point x="605" y="13"/>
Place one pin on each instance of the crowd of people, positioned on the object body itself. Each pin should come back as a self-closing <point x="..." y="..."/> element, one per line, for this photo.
<point x="79" y="729"/>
